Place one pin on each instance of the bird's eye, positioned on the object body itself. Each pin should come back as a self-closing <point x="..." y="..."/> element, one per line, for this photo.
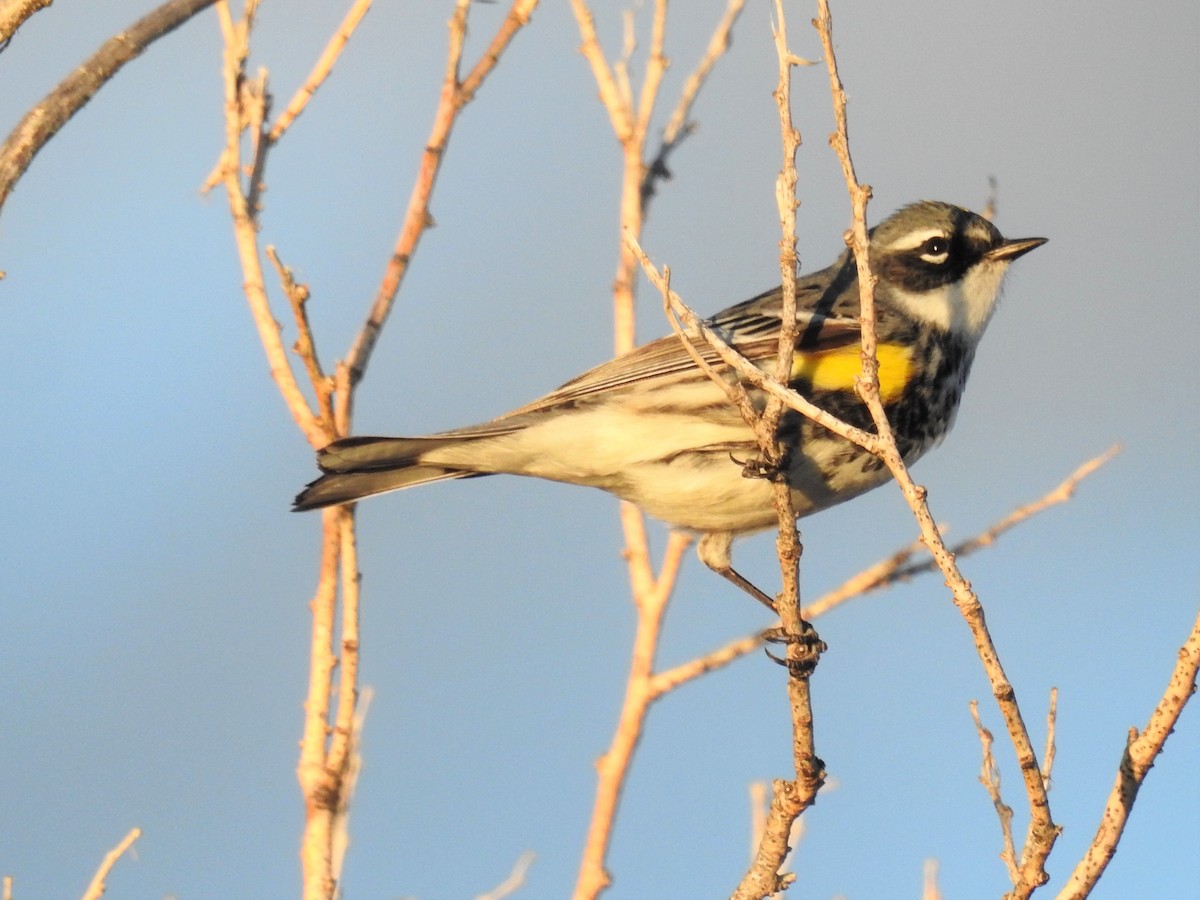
<point x="935" y="250"/>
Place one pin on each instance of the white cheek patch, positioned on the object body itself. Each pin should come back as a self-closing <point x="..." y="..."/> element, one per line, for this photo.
<point x="964" y="307"/>
<point x="979" y="291"/>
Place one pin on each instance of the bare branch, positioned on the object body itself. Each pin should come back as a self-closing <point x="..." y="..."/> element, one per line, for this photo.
<point x="611" y="768"/>
<point x="13" y="14"/>
<point x="1042" y="830"/>
<point x="650" y="592"/>
<point x="95" y="890"/>
<point x="341" y="818"/>
<point x="246" y="102"/>
<point x="321" y="69"/>
<point x="679" y="126"/>
<point x="1138" y="756"/>
<point x="989" y="777"/>
<point x="317" y="784"/>
<point x="515" y="880"/>
<point x="455" y="95"/>
<point x="746" y="370"/>
<point x="620" y="110"/>
<point x="1051" y="727"/>
<point x="305" y="347"/>
<point x="929" y="881"/>
<point x="54" y="111"/>
<point x="1061" y="494"/>
<point x="803" y="648"/>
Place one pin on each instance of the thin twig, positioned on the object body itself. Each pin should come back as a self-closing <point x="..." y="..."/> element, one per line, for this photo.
<point x="515" y="880"/>
<point x="455" y="95"/>
<point x="613" y="765"/>
<point x="320" y="70"/>
<point x="1138" y="756"/>
<point x="1042" y="830"/>
<point x="929" y="881"/>
<point x="679" y="126"/>
<point x="878" y="576"/>
<point x="620" y="111"/>
<point x="243" y="106"/>
<point x="95" y="889"/>
<point x="790" y="798"/>
<point x="54" y="111"/>
<point x="341" y="741"/>
<point x="989" y="777"/>
<point x="1051" y="728"/>
<point x="305" y="347"/>
<point x="341" y="819"/>
<point x="746" y="370"/>
<point x="630" y="121"/>
<point x="1060" y="494"/>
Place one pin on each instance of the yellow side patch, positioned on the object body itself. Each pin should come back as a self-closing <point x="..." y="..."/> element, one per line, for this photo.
<point x="835" y="370"/>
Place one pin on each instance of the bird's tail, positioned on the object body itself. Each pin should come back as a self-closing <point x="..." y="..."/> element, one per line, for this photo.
<point x="361" y="466"/>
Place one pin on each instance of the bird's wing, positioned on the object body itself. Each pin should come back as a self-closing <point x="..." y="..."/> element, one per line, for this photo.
<point x="750" y="327"/>
<point x="756" y="337"/>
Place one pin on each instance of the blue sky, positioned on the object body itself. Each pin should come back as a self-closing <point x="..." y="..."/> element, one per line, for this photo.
<point x="154" y="606"/>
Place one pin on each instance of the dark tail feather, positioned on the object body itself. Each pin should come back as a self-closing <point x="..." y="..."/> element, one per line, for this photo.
<point x="361" y="466"/>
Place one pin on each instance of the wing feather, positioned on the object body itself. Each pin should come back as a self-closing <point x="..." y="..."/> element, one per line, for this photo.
<point x="750" y="327"/>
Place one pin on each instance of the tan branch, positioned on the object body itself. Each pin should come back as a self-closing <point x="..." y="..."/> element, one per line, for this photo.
<point x="620" y="111"/>
<point x="630" y="123"/>
<point x="1141" y="750"/>
<point x="929" y="881"/>
<point x="515" y="880"/>
<point x="320" y="70"/>
<point x="341" y="743"/>
<point x="13" y="14"/>
<point x="762" y="879"/>
<point x="319" y="790"/>
<point x="1051" y="728"/>
<point x="613" y="766"/>
<point x="518" y="17"/>
<point x="54" y="111"/>
<point x="1060" y="494"/>
<point x="305" y="347"/>
<point x="455" y="95"/>
<point x="679" y="125"/>
<point x="1042" y="830"/>
<point x="803" y="648"/>
<point x="95" y="889"/>
<point x="245" y="103"/>
<point x="989" y="777"/>
<point x="746" y="370"/>
<point x="341" y="818"/>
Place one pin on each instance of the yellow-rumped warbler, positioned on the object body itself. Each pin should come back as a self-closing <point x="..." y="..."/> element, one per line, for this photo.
<point x="653" y="428"/>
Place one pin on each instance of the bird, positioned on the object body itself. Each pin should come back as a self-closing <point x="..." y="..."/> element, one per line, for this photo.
<point x="653" y="428"/>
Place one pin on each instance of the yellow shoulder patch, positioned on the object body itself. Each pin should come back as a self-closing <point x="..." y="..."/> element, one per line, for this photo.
<point x="835" y="370"/>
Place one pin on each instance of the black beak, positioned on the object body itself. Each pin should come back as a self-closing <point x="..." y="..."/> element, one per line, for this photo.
<point x="1010" y="250"/>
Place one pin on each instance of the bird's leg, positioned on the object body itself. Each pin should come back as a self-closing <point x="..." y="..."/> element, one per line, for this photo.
<point x="713" y="551"/>
<point x="762" y="468"/>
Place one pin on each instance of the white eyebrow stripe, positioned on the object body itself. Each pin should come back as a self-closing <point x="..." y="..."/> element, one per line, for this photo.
<point x="915" y="239"/>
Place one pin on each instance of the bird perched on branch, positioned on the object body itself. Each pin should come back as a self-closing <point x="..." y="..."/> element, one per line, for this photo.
<point x="652" y="427"/>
